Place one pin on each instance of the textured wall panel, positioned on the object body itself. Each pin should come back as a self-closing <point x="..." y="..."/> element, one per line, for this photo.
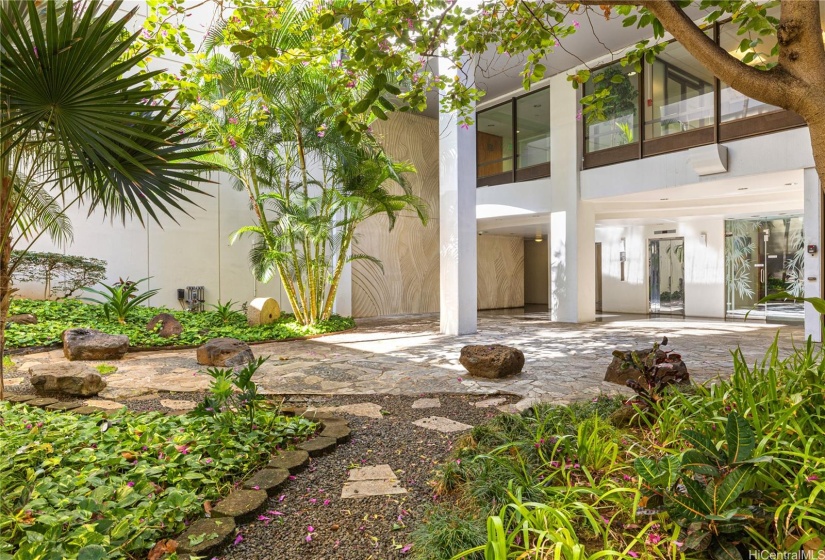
<point x="500" y="272"/>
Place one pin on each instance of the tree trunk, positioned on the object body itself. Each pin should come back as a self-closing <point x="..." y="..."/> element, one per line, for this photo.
<point x="5" y="269"/>
<point x="816" y="127"/>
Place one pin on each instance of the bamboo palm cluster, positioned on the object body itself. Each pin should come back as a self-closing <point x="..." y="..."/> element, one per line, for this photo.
<point x="308" y="182"/>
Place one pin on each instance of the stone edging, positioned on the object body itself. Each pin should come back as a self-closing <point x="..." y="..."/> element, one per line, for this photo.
<point x="241" y="504"/>
<point x="25" y="351"/>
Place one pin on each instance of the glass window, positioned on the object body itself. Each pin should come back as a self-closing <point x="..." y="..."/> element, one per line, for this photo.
<point x="494" y="141"/>
<point x="533" y="129"/>
<point x="620" y="122"/>
<point x="735" y="105"/>
<point x="678" y="94"/>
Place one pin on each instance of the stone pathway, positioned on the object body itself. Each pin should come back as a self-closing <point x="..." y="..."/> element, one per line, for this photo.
<point x="407" y="356"/>
<point x="379" y="480"/>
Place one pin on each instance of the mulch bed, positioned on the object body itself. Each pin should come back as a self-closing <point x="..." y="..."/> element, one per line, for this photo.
<point x="371" y="528"/>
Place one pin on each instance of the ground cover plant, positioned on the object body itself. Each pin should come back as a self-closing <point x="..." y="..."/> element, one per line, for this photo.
<point x="731" y="468"/>
<point x="56" y="316"/>
<point x="111" y="487"/>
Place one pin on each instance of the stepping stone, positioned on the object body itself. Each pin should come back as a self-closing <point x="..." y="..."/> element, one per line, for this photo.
<point x="12" y="381"/>
<point x="87" y="410"/>
<point x="240" y="504"/>
<point x="42" y="403"/>
<point x="20" y="398"/>
<point x="293" y="461"/>
<point x="379" y="480"/>
<point x="104" y="404"/>
<point x="441" y="424"/>
<point x="341" y="432"/>
<point x="178" y="405"/>
<point x="63" y="406"/>
<point x="487" y="403"/>
<point x="206" y="536"/>
<point x="319" y="446"/>
<point x="426" y="403"/>
<point x="366" y="409"/>
<point x="268" y="480"/>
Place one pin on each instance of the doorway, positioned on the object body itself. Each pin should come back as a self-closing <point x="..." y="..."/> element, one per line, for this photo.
<point x="667" y="276"/>
<point x="598" y="277"/>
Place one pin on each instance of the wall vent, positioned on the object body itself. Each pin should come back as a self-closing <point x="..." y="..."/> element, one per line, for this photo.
<point x="195" y="298"/>
<point x="664" y="231"/>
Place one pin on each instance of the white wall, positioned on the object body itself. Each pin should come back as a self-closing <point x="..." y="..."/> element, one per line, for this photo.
<point x="704" y="266"/>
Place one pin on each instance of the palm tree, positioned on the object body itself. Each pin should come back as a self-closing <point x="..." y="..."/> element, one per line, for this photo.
<point x="309" y="183"/>
<point x="79" y="124"/>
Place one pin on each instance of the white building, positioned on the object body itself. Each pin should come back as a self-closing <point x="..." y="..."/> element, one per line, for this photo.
<point x="687" y="200"/>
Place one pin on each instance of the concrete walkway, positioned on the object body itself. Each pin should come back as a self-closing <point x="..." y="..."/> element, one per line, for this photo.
<point x="407" y="356"/>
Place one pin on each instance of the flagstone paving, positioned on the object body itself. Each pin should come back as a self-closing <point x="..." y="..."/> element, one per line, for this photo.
<point x="407" y="356"/>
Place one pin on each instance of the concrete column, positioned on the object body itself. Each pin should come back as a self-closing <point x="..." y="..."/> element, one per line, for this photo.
<point x="813" y="263"/>
<point x="343" y="297"/>
<point x="457" y="217"/>
<point x="572" y="223"/>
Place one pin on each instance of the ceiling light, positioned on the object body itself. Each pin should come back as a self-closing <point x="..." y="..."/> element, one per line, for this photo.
<point x="538" y="238"/>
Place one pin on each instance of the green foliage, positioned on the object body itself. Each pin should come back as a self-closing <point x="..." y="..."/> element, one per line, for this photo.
<point x="704" y="490"/>
<point x="56" y="316"/>
<point x="233" y="393"/>
<point x="74" y="483"/>
<point x="62" y="275"/>
<point x="225" y="311"/>
<point x="659" y="370"/>
<point x="121" y="299"/>
<point x="447" y="531"/>
<point x="105" y="369"/>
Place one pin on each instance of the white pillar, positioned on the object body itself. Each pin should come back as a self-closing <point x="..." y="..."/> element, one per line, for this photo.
<point x="343" y="297"/>
<point x="812" y="223"/>
<point x="572" y="223"/>
<point x="457" y="217"/>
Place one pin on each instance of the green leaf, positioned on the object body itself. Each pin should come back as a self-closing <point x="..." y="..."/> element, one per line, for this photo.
<point x="724" y="550"/>
<point x="727" y="490"/>
<point x="376" y="110"/>
<point x="630" y="20"/>
<point x="362" y="106"/>
<point x="702" y="443"/>
<point x="646" y="468"/>
<point x="92" y="552"/>
<point x="700" y="497"/>
<point x="698" y="540"/>
<point x="326" y="20"/>
<point x="245" y="35"/>
<point x="740" y="438"/>
<point x="695" y="461"/>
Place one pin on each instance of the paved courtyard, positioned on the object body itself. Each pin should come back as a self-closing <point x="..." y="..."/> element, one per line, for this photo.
<point x="407" y="356"/>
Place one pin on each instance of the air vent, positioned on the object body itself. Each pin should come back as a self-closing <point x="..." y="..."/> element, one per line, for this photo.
<point x="195" y="298"/>
<point x="664" y="231"/>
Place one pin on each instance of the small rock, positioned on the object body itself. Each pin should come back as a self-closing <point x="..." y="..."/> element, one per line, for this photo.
<point x="41" y="403"/>
<point x="376" y="472"/>
<point x="293" y="461"/>
<point x="87" y="410"/>
<point x="319" y="446"/>
<point x="268" y="480"/>
<point x="22" y="319"/>
<point x="178" y="405"/>
<point x="224" y="352"/>
<point x="104" y="404"/>
<point x="492" y="361"/>
<point x="169" y="325"/>
<point x="89" y="344"/>
<point x="20" y="398"/>
<point x="341" y="432"/>
<point x="487" y="403"/>
<point x="240" y="504"/>
<point x="71" y="378"/>
<point x="63" y="406"/>
<point x="426" y="403"/>
<point x="221" y="528"/>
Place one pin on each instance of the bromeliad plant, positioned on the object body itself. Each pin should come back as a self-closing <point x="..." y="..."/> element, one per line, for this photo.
<point x="233" y="393"/>
<point x="120" y="299"/>
<point x="706" y="490"/>
<point x="225" y="311"/>
<point x="659" y="369"/>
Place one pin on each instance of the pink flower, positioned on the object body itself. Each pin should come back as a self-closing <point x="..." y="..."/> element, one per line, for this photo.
<point x="130" y="483"/>
<point x="576" y="24"/>
<point x="633" y="554"/>
<point x="291" y="477"/>
<point x="233" y="120"/>
<point x="238" y="540"/>
<point x="812" y="478"/>
<point x="654" y="538"/>
<point x="326" y="502"/>
<point x="183" y="449"/>
<point x="207" y="460"/>
<point x="312" y="501"/>
<point x="309" y="538"/>
<point x="351" y="84"/>
<point x="281" y="498"/>
<point x="275" y="512"/>
<point x="465" y="126"/>
<point x="232" y="142"/>
<point x="310" y="529"/>
<point x="406" y="548"/>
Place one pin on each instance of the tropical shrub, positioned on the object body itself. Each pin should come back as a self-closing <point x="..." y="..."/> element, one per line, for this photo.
<point x="225" y="311"/>
<point x="61" y="275"/>
<point x="121" y="298"/>
<point x="54" y="317"/>
<point x="232" y="393"/>
<point x="73" y="482"/>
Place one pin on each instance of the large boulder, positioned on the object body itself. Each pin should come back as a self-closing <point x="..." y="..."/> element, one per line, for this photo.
<point x="491" y="360"/>
<point x="621" y="375"/>
<point x="65" y="377"/>
<point x="262" y="311"/>
<point x="89" y="344"/>
<point x="224" y="352"/>
<point x="169" y="326"/>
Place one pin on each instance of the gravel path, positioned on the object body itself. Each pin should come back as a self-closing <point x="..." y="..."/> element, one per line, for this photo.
<point x="371" y="528"/>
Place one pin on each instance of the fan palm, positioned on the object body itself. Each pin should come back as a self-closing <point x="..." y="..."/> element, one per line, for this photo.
<point x="79" y="124"/>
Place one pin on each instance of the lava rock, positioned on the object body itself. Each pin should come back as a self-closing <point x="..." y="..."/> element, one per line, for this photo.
<point x="89" y="344"/>
<point x="224" y="352"/>
<point x="218" y="529"/>
<point x="23" y="319"/>
<point x="169" y="326"/>
<point x="66" y="377"/>
<point x="492" y="361"/>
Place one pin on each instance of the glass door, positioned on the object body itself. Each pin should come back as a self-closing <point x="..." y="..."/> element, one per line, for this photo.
<point x="764" y="256"/>
<point x="667" y="276"/>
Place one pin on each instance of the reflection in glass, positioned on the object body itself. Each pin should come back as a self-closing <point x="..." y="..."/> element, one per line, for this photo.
<point x="620" y="122"/>
<point x="667" y="276"/>
<point x="533" y="128"/>
<point x="494" y="140"/>
<point x="679" y="94"/>
<point x="735" y="105"/>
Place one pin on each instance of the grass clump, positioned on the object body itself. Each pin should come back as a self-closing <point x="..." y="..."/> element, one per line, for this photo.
<point x="105" y="369"/>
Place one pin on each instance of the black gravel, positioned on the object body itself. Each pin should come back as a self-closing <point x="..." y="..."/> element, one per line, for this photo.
<point x="371" y="528"/>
